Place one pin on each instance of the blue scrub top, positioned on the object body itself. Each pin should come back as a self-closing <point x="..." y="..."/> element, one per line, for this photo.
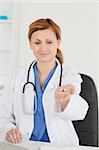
<point x="40" y="131"/>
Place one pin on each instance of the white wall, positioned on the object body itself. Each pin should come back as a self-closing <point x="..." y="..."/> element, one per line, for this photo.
<point x="78" y="21"/>
<point x="8" y="41"/>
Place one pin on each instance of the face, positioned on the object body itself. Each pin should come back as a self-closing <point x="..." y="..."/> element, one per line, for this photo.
<point x="44" y="45"/>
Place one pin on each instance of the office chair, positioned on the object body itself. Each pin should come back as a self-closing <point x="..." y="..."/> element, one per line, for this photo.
<point x="87" y="129"/>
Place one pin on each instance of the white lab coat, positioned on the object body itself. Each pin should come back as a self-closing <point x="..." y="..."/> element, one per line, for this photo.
<point x="59" y="124"/>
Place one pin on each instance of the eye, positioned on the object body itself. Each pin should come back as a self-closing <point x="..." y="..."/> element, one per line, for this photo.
<point x="38" y="42"/>
<point x="49" y="42"/>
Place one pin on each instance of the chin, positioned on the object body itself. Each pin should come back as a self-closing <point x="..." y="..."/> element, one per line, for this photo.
<point x="46" y="59"/>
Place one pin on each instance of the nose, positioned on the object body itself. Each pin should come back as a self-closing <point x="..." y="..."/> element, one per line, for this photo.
<point x="43" y="46"/>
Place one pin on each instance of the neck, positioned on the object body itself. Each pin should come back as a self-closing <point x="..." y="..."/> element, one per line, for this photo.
<point x="45" y="68"/>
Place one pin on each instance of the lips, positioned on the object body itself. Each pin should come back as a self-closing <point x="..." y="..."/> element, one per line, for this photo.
<point x="43" y="54"/>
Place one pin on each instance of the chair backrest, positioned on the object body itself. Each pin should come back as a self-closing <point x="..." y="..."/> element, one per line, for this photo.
<point x="87" y="129"/>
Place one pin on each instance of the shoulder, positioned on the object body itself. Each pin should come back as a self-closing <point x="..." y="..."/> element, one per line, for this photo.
<point x="71" y="76"/>
<point x="68" y="70"/>
<point x="20" y="73"/>
<point x="69" y="73"/>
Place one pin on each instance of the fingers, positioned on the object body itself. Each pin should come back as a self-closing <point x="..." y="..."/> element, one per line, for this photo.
<point x="63" y="97"/>
<point x="63" y="94"/>
<point x="67" y="90"/>
<point x="14" y="136"/>
<point x="71" y="89"/>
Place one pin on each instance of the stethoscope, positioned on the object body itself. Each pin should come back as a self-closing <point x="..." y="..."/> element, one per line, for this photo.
<point x="30" y="109"/>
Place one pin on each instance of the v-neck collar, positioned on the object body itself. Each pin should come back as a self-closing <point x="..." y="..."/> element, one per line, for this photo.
<point x="37" y="82"/>
<point x="52" y="83"/>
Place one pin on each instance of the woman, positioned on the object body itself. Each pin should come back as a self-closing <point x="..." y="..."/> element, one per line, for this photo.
<point x="43" y="99"/>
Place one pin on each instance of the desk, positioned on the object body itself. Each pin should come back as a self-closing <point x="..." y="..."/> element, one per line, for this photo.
<point x="47" y="146"/>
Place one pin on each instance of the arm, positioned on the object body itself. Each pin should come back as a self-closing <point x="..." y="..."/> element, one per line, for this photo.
<point x="71" y="105"/>
<point x="7" y="119"/>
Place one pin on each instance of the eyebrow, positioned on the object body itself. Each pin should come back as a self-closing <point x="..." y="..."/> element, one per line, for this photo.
<point x="45" y="39"/>
<point x="37" y="39"/>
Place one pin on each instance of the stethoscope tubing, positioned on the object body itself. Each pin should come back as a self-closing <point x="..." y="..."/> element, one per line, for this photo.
<point x="34" y="87"/>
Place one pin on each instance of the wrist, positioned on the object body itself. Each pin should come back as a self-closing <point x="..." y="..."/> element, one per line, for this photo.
<point x="64" y="105"/>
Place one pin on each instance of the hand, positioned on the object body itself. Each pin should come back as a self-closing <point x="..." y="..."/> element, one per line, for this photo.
<point x="63" y="94"/>
<point x="14" y="136"/>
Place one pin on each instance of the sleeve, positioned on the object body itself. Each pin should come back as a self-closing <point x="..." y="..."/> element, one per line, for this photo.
<point x="77" y="107"/>
<point x="7" y="120"/>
